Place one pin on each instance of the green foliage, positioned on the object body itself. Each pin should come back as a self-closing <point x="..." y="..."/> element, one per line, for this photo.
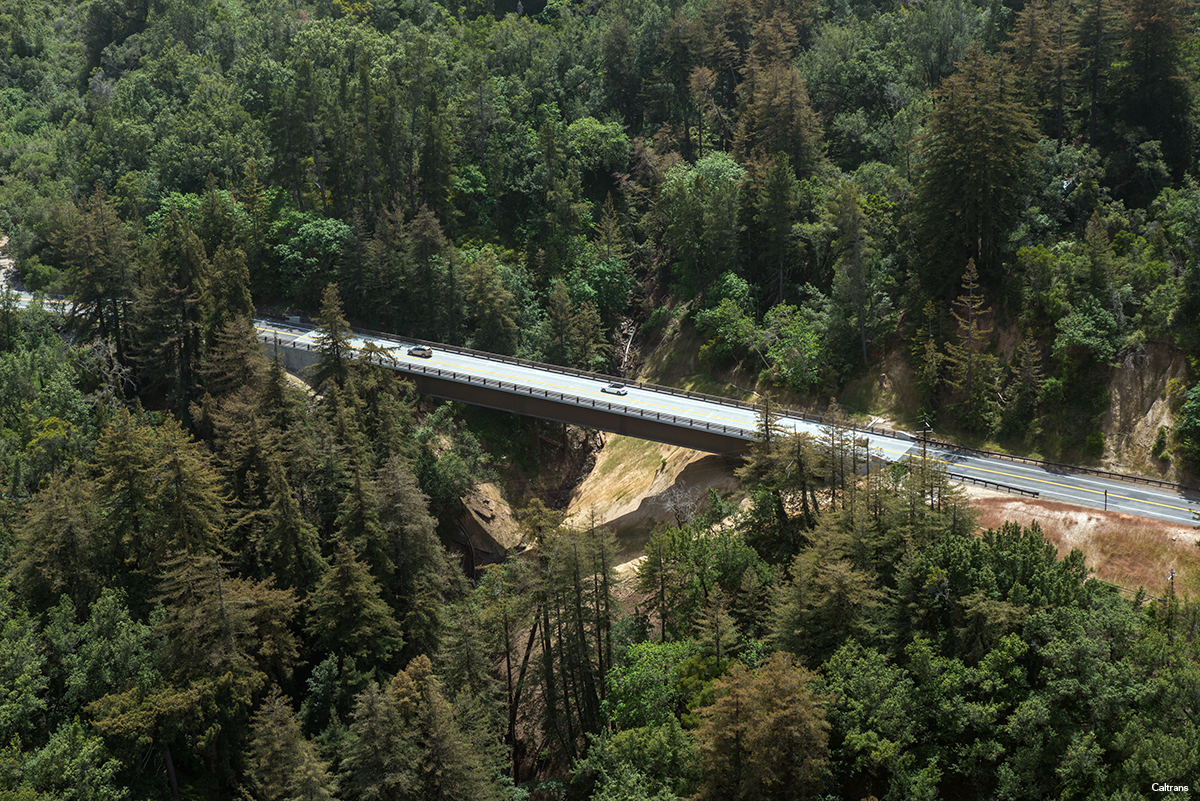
<point x="282" y="763"/>
<point x="765" y="736"/>
<point x="700" y="202"/>
<point x="22" y="664"/>
<point x="976" y="149"/>
<point x="598" y="146"/>
<point x="644" y="691"/>
<point x="444" y="165"/>
<point x="655" y="763"/>
<point x="1087" y="334"/>
<point x="74" y="764"/>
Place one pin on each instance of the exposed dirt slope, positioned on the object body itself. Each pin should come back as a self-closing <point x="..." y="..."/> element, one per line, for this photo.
<point x="635" y="483"/>
<point x="1125" y="550"/>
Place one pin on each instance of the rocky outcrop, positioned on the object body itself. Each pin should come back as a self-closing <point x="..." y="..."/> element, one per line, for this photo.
<point x="1140" y="403"/>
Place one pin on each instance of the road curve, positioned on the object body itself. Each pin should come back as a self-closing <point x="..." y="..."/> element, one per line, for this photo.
<point x="739" y="419"/>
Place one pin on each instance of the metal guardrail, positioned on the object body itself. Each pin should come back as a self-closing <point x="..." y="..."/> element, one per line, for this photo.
<point x="555" y="368"/>
<point x="731" y="402"/>
<point x="577" y="400"/>
<point x="1067" y="468"/>
<point x="989" y="483"/>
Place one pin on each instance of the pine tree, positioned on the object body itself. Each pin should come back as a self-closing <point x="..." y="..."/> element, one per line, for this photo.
<point x="592" y="350"/>
<point x="776" y="118"/>
<point x="1021" y="399"/>
<point x="224" y="639"/>
<point x="235" y="359"/>
<point x="764" y="737"/>
<point x="927" y="359"/>
<point x="333" y="337"/>
<point x="347" y="617"/>
<point x="126" y="457"/>
<point x="171" y="313"/>
<point x="1155" y="83"/>
<point x="717" y="631"/>
<point x="856" y="281"/>
<point x="230" y="290"/>
<point x="408" y="745"/>
<point x="188" y="494"/>
<point x="422" y="580"/>
<point x="286" y="542"/>
<point x="57" y="549"/>
<point x="558" y="333"/>
<point x="1044" y="51"/>
<point x="610" y="241"/>
<point x="976" y="149"/>
<point x="772" y="239"/>
<point x="1098" y="30"/>
<point x="972" y="371"/>
<point x="491" y="306"/>
<point x="98" y="255"/>
<point x="358" y="524"/>
<point x="283" y="764"/>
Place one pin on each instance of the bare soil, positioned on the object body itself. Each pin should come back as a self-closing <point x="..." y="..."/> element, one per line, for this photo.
<point x="1122" y="549"/>
<point x="635" y="484"/>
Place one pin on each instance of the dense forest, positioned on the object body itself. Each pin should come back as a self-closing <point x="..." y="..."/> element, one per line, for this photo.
<point x="218" y="583"/>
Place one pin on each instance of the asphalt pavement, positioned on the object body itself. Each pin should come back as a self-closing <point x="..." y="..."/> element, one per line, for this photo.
<point x="1048" y="483"/>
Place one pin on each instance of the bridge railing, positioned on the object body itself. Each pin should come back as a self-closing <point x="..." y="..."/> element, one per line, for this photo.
<point x="556" y="368"/>
<point x="1066" y="468"/>
<point x="565" y="397"/>
<point x="739" y="404"/>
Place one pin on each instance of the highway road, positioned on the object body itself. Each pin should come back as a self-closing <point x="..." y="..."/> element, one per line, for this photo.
<point x="1057" y="483"/>
<point x="1048" y="482"/>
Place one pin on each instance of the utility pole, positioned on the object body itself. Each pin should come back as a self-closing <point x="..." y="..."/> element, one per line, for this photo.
<point x="925" y="431"/>
<point x="1170" y="600"/>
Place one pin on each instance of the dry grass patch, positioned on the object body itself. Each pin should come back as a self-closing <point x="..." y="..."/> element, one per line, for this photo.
<point x="1123" y="549"/>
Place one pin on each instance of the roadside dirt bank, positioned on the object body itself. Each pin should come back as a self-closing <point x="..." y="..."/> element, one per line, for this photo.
<point x="1123" y="549"/>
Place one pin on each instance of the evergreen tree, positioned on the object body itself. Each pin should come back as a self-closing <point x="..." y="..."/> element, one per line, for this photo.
<point x="927" y="359"/>
<point x="857" y="290"/>
<point x="491" y="306"/>
<point x="235" y="359"/>
<point x="1098" y="29"/>
<point x="58" y="550"/>
<point x="972" y="370"/>
<point x="772" y="240"/>
<point x="346" y="615"/>
<point x="283" y="765"/>
<point x="558" y="334"/>
<point x="765" y="736"/>
<point x="1021" y="395"/>
<point x="126" y="458"/>
<point x="230" y="291"/>
<point x="188" y="495"/>
<point x="286" y="542"/>
<point x="1044" y="52"/>
<point x="717" y="631"/>
<point x="333" y="338"/>
<point x="171" y="312"/>
<point x="976" y="149"/>
<point x="776" y="118"/>
<point x="98" y="254"/>
<point x="407" y="744"/>
<point x="422" y="579"/>
<point x="1154" y="82"/>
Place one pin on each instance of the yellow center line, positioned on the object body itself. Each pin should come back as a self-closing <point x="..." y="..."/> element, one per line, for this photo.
<point x="1048" y="482"/>
<point x="675" y="413"/>
<point x="561" y="387"/>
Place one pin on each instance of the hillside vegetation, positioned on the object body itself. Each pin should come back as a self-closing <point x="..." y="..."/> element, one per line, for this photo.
<point x="218" y="585"/>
